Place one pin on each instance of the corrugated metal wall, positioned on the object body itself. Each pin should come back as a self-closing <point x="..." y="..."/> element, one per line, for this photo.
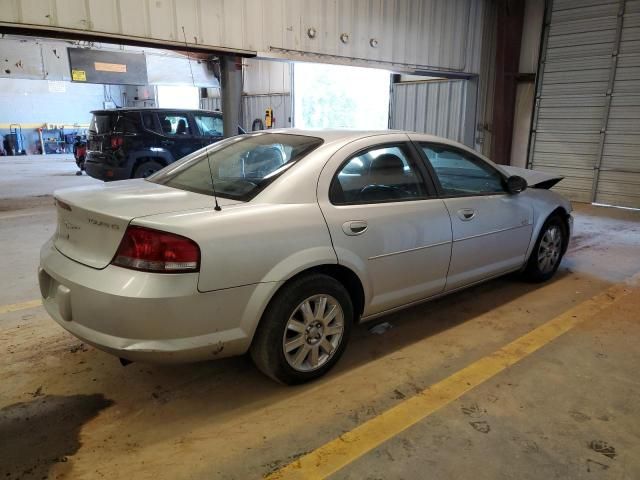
<point x="435" y="107"/>
<point x="254" y="106"/>
<point x="619" y="179"/>
<point x="408" y="34"/>
<point x="587" y="117"/>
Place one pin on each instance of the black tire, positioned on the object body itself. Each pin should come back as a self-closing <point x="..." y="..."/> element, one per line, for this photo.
<point x="147" y="168"/>
<point x="535" y="271"/>
<point x="267" y="349"/>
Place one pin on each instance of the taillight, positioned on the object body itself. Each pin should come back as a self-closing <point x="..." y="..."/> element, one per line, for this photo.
<point x="155" y="251"/>
<point x="117" y="141"/>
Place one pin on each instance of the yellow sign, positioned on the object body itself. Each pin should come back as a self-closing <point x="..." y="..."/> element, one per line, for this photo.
<point x="110" y="67"/>
<point x="78" y="75"/>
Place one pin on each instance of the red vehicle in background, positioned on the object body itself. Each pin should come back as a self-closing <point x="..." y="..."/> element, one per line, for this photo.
<point x="80" y="152"/>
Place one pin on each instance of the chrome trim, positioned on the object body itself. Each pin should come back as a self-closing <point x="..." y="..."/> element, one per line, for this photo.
<point x="491" y="232"/>
<point x="409" y="250"/>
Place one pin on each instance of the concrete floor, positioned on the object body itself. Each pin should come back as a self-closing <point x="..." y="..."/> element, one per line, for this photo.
<point x="70" y="411"/>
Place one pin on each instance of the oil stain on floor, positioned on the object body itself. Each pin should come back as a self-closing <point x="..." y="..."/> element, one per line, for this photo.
<point x="37" y="434"/>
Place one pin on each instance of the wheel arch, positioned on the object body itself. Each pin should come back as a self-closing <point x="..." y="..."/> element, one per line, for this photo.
<point x="163" y="158"/>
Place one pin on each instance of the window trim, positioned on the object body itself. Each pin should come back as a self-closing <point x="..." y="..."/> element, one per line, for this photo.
<point x="464" y="153"/>
<point x="411" y="155"/>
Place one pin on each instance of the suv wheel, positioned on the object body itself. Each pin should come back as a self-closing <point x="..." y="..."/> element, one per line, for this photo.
<point x="304" y="331"/>
<point x="147" y="168"/>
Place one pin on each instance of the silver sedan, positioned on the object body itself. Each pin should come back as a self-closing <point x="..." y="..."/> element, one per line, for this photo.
<point x="276" y="243"/>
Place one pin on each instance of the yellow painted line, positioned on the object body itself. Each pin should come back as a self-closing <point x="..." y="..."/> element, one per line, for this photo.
<point x="336" y="454"/>
<point x="14" y="307"/>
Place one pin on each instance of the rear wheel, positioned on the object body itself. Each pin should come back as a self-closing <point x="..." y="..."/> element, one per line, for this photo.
<point x="548" y="250"/>
<point x="304" y="331"/>
<point x="147" y="168"/>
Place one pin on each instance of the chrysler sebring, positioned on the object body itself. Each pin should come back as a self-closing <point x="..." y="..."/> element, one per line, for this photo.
<point x="276" y="243"/>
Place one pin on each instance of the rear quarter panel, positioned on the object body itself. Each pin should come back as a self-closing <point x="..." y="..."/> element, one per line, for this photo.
<point x="251" y="243"/>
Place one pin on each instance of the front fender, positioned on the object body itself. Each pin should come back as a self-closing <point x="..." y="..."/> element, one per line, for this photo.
<point x="544" y="203"/>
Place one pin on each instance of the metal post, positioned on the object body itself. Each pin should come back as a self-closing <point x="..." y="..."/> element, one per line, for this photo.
<point x="607" y="106"/>
<point x="231" y="94"/>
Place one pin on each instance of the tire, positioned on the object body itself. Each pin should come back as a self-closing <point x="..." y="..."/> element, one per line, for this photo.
<point x="548" y="250"/>
<point x="147" y="168"/>
<point x="284" y="321"/>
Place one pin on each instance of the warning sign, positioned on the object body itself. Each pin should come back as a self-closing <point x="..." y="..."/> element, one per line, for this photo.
<point x="110" y="67"/>
<point x="78" y="75"/>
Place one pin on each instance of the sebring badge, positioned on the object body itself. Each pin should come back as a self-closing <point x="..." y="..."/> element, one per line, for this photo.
<point x="100" y="223"/>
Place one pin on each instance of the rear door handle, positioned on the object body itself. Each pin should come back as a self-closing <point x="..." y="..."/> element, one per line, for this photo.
<point x="466" y="214"/>
<point x="354" y="227"/>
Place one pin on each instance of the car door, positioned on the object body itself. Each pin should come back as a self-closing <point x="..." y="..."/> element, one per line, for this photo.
<point x="209" y="126"/>
<point x="178" y="133"/>
<point x="385" y="221"/>
<point x="491" y="228"/>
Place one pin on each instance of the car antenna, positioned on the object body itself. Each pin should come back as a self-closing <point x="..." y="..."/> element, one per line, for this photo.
<point x="213" y="185"/>
<point x="193" y="81"/>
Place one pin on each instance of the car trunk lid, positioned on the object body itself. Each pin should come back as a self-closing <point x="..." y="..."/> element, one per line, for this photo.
<point x="92" y="220"/>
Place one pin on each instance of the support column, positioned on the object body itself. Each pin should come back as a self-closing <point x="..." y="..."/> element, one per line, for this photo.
<point x="508" y="39"/>
<point x="231" y="94"/>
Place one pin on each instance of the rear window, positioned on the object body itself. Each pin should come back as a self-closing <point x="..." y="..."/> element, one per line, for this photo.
<point x="102" y="123"/>
<point x="240" y="167"/>
<point x="125" y="122"/>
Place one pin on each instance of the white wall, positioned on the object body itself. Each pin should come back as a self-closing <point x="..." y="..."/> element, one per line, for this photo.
<point x="410" y="34"/>
<point x="45" y="101"/>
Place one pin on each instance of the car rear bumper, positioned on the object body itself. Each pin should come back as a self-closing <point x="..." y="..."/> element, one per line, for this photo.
<point x="157" y="318"/>
<point x="98" y="167"/>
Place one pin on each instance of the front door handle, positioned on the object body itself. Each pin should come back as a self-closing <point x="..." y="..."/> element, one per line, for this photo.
<point x="354" y="227"/>
<point x="466" y="214"/>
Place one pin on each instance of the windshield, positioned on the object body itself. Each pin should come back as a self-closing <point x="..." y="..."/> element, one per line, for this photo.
<point x="240" y="166"/>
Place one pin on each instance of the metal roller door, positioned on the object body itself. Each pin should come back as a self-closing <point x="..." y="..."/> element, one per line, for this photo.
<point x="587" y="116"/>
<point x="436" y="107"/>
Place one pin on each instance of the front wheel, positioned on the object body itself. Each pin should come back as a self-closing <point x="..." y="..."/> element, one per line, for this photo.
<point x="548" y="250"/>
<point x="304" y="330"/>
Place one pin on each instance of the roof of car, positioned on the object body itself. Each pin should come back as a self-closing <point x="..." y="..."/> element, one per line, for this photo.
<point x="153" y="109"/>
<point x="329" y="135"/>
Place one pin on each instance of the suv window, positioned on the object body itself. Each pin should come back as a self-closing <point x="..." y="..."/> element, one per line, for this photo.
<point x="209" y="126"/>
<point x="379" y="174"/>
<point x="462" y="174"/>
<point x="148" y="120"/>
<point x="128" y="123"/>
<point x="174" y="124"/>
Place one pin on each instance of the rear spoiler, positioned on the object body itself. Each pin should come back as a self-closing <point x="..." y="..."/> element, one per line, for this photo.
<point x="534" y="178"/>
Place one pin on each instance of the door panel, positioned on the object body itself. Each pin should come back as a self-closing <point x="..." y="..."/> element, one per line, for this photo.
<point x="491" y="228"/>
<point x="400" y="249"/>
<point x="493" y="241"/>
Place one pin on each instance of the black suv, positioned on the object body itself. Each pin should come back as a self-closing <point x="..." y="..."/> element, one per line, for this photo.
<point x="136" y="142"/>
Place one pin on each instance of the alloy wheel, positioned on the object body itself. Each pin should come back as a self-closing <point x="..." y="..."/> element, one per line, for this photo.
<point x="550" y="249"/>
<point x="313" y="333"/>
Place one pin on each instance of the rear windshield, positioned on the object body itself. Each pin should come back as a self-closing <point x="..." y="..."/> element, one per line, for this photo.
<point x="239" y="167"/>
<point x="125" y="122"/>
<point x="102" y="123"/>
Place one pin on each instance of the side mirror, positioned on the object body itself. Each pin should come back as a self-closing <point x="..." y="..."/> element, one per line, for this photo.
<point x="516" y="184"/>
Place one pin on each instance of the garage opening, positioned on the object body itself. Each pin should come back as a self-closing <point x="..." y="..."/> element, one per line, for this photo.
<point x="337" y="96"/>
